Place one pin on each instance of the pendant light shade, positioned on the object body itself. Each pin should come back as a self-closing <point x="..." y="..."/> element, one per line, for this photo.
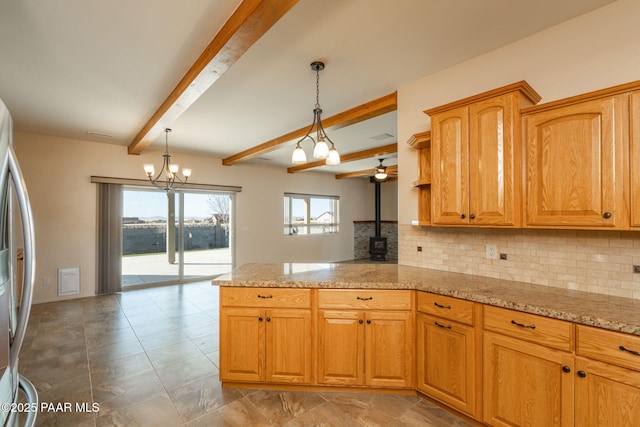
<point x="323" y="147"/>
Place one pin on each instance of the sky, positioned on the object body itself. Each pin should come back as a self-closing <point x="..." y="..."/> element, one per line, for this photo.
<point x="150" y="204"/>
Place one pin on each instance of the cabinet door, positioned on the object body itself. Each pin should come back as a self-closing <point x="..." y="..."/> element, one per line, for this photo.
<point x="446" y="362"/>
<point x="635" y="158"/>
<point x="288" y="346"/>
<point x="526" y="384"/>
<point x="450" y="161"/>
<point x="574" y="165"/>
<point x="389" y="349"/>
<point x="340" y="347"/>
<point x="242" y="344"/>
<point x="493" y="163"/>
<point x="606" y="395"/>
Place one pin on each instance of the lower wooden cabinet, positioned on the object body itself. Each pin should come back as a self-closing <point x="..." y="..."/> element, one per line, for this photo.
<point x="606" y="395"/>
<point x="498" y="366"/>
<point x="272" y="345"/>
<point x="365" y="348"/>
<point x="446" y="362"/>
<point x="266" y="335"/>
<point x="526" y="384"/>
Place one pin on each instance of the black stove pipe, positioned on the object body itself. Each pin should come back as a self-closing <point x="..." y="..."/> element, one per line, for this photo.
<point x="377" y="202"/>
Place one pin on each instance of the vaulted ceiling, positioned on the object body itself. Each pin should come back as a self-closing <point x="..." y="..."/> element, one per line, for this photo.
<point x="232" y="79"/>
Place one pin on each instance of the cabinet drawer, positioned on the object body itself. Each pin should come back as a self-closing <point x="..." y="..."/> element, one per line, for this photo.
<point x="265" y="297"/>
<point x="446" y="307"/>
<point x="604" y="345"/>
<point x="530" y="327"/>
<point x="364" y="299"/>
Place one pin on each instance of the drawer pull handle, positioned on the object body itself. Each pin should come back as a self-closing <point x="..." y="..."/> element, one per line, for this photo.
<point x="606" y="215"/>
<point x="260" y="319"/>
<point x="566" y="369"/>
<point x="582" y="374"/>
<point x="364" y="299"/>
<point x="268" y="319"/>
<point x="623" y="348"/>
<point x="360" y="321"/>
<point x="442" y="306"/>
<point x="513" y="322"/>
<point x="265" y="296"/>
<point x="368" y="321"/>
<point x="442" y="326"/>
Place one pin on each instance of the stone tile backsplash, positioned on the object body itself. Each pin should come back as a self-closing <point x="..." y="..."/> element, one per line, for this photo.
<point x="593" y="261"/>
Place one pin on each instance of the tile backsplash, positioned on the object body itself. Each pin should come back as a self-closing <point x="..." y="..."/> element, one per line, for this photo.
<point x="592" y="261"/>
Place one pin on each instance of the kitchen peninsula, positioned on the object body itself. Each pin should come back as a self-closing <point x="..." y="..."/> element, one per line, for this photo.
<point x="466" y="341"/>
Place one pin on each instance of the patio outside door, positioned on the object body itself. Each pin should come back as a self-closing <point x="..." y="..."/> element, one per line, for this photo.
<point x="180" y="236"/>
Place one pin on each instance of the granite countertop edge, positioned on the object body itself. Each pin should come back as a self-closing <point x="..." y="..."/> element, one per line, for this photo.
<point x="603" y="311"/>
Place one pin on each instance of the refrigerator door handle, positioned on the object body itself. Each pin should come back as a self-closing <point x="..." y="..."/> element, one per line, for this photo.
<point x="29" y="253"/>
<point x="32" y="400"/>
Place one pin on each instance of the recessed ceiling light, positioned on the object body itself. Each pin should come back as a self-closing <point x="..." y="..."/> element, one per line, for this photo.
<point x="100" y="134"/>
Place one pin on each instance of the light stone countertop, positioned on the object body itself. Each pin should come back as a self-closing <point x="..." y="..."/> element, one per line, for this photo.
<point x="608" y="312"/>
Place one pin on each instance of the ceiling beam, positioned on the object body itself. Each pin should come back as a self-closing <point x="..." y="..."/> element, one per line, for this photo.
<point x="351" y="157"/>
<point x="250" y="21"/>
<point x="371" y="109"/>
<point x="391" y="170"/>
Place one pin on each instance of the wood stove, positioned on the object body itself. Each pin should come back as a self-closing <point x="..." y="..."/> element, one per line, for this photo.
<point x="377" y="243"/>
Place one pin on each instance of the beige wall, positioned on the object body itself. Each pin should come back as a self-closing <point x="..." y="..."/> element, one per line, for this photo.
<point x="591" y="52"/>
<point x="388" y="201"/>
<point x="57" y="173"/>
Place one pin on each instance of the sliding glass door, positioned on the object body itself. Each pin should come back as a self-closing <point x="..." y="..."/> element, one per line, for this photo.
<point x="175" y="237"/>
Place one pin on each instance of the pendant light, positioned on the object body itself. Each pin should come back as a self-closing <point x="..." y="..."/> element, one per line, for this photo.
<point x="321" y="149"/>
<point x="381" y="171"/>
<point x="170" y="170"/>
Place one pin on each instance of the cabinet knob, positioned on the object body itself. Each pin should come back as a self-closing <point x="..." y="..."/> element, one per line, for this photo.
<point x="368" y="321"/>
<point x="472" y="216"/>
<point x="463" y="216"/>
<point x="260" y="319"/>
<point x="566" y="369"/>
<point x="268" y="319"/>
<point x="582" y="374"/>
<point x="360" y="321"/>
<point x="607" y="215"/>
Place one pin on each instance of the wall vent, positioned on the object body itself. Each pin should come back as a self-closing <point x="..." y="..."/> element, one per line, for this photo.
<point x="68" y="281"/>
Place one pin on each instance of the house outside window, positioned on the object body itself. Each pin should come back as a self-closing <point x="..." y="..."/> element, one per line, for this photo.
<point x="306" y="214"/>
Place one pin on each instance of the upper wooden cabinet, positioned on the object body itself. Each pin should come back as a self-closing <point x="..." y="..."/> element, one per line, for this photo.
<point x="575" y="163"/>
<point x="476" y="161"/>
<point x="635" y="158"/>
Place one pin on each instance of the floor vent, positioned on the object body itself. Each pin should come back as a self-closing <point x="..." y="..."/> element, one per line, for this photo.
<point x="68" y="281"/>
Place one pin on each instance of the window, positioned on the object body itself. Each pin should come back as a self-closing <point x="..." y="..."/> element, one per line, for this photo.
<point x="310" y="214"/>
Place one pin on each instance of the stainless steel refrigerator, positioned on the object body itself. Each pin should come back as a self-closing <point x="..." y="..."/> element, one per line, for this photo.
<point x="16" y="281"/>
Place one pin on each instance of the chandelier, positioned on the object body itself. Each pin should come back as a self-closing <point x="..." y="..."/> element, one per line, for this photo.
<point x="321" y="142"/>
<point x="170" y="170"/>
<point x="381" y="171"/>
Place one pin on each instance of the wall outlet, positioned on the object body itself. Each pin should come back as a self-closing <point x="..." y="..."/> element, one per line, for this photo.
<point x="491" y="251"/>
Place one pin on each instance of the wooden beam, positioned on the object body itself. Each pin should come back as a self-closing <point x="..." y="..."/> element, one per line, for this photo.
<point x="391" y="170"/>
<point x="371" y="109"/>
<point x="351" y="157"/>
<point x="250" y="21"/>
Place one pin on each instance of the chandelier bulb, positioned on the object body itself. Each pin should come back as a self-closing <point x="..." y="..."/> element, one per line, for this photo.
<point x="333" y="157"/>
<point x="320" y="150"/>
<point x="298" y="157"/>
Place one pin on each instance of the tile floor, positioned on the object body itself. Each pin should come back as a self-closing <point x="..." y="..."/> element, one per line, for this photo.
<point x="150" y="358"/>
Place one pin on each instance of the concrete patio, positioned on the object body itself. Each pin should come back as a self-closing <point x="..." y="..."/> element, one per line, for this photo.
<point x="151" y="268"/>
